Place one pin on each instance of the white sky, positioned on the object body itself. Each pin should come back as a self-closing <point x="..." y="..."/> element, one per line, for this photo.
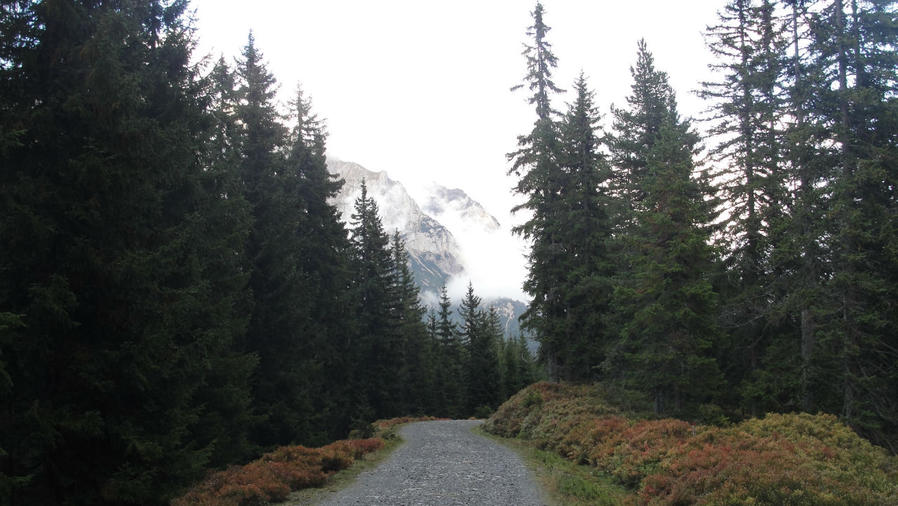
<point x="421" y="88"/>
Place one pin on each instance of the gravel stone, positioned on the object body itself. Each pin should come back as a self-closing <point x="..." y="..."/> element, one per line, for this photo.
<point x="444" y="463"/>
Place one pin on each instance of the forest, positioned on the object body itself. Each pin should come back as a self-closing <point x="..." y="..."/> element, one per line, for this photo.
<point x="756" y="276"/>
<point x="177" y="295"/>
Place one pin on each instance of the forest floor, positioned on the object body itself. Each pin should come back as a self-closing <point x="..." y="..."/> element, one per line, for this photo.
<point x="442" y="462"/>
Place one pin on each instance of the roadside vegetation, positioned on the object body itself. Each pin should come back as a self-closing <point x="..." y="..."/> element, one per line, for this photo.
<point x="276" y="475"/>
<point x="778" y="459"/>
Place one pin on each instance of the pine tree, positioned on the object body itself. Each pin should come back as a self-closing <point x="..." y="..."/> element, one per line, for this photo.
<point x="283" y="393"/>
<point x="805" y="251"/>
<point x="747" y="111"/>
<point x="323" y="277"/>
<point x="584" y="231"/>
<point x="540" y="178"/>
<point x="509" y="363"/>
<point x="376" y="296"/>
<point x="853" y="51"/>
<point x="450" y="361"/>
<point x="480" y="333"/>
<point x="416" y="377"/>
<point x="221" y="228"/>
<point x="665" y="299"/>
<point x="124" y="328"/>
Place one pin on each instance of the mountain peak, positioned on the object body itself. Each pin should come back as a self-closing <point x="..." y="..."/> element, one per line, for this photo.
<point x="454" y="204"/>
<point x="434" y="253"/>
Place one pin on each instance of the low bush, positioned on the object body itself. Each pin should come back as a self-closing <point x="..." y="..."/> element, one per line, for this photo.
<point x="273" y="476"/>
<point x="382" y="425"/>
<point x="780" y="459"/>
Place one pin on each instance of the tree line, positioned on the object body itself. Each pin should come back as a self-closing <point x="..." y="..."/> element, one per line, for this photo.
<point x="176" y="293"/>
<point x="757" y="276"/>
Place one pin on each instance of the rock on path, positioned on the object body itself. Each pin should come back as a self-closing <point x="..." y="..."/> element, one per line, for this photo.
<point x="444" y="463"/>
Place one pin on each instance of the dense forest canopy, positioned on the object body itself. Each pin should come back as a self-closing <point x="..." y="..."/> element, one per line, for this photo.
<point x="177" y="295"/>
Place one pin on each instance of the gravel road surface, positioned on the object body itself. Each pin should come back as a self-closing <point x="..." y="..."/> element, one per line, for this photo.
<point x="444" y="463"/>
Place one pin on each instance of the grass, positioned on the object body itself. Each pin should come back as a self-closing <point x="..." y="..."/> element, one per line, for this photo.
<point x="563" y="481"/>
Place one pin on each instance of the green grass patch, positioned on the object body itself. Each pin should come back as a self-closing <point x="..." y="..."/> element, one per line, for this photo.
<point x="563" y="481"/>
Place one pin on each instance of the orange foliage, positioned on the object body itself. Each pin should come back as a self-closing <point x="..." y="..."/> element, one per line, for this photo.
<point x="273" y="476"/>
<point x="386" y="424"/>
<point x="780" y="459"/>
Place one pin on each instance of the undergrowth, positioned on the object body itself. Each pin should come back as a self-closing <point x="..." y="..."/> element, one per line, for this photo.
<point x="272" y="477"/>
<point x="566" y="482"/>
<point x="780" y="459"/>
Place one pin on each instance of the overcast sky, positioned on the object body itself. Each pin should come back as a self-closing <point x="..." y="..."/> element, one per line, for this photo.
<point x="421" y="88"/>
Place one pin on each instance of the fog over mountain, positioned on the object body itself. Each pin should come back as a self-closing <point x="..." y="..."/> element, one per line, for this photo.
<point x="451" y="238"/>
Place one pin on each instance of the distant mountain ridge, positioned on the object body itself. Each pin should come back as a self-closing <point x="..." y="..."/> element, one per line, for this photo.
<point x="434" y="253"/>
<point x="435" y="256"/>
<point x="444" y="201"/>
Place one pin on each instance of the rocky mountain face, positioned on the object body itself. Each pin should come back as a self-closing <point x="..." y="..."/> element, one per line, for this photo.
<point x="433" y="251"/>
<point x="452" y="204"/>
<point x="428" y="229"/>
<point x="509" y="310"/>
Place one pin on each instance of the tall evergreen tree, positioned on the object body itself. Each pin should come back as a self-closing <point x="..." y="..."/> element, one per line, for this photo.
<point x="540" y="178"/>
<point x="853" y="50"/>
<point x="277" y="328"/>
<point x="221" y="228"/>
<point x="480" y="332"/>
<point x="115" y="327"/>
<point x="416" y="377"/>
<point x="584" y="231"/>
<point x="375" y="295"/>
<point x="450" y="359"/>
<point x="747" y="111"/>
<point x="323" y="277"/>
<point x="666" y="298"/>
<point x="805" y="157"/>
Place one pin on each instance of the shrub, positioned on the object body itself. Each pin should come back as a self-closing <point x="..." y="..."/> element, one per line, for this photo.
<point x="382" y="425"/>
<point x="780" y="459"/>
<point x="273" y="476"/>
<point x="483" y="412"/>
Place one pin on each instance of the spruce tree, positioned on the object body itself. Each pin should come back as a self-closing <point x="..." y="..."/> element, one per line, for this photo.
<point x="665" y="298"/>
<point x="323" y="274"/>
<point x="416" y="377"/>
<point x="584" y="232"/>
<point x="747" y="110"/>
<point x="540" y="178"/>
<point x="375" y="296"/>
<point x="480" y="333"/>
<point x="806" y="251"/>
<point x="450" y="360"/>
<point x="853" y="51"/>
<point x="283" y="394"/>
<point x="221" y="228"/>
<point x="124" y="328"/>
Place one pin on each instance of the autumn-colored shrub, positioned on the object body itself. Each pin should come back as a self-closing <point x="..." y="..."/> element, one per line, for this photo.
<point x="392" y="422"/>
<point x="359" y="447"/>
<point x="273" y="476"/>
<point x="780" y="459"/>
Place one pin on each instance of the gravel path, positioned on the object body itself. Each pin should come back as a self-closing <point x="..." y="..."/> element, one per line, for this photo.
<point x="444" y="463"/>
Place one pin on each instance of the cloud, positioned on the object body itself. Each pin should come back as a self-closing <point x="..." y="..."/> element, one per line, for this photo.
<point x="495" y="263"/>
